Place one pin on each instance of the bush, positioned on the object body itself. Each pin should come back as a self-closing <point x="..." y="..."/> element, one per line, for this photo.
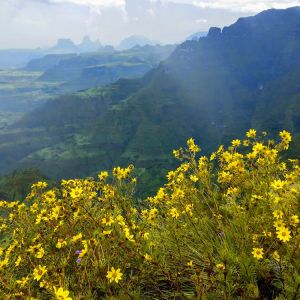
<point x="223" y="227"/>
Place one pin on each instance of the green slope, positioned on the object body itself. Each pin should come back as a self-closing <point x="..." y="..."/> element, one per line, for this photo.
<point x="213" y="89"/>
<point x="98" y="69"/>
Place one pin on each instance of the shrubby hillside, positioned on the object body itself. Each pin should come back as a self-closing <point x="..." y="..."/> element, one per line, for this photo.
<point x="224" y="226"/>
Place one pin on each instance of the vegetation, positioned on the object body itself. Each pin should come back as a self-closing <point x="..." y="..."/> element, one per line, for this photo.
<point x="225" y="226"/>
<point x="89" y="70"/>
<point x="246" y="75"/>
<point x="22" y="91"/>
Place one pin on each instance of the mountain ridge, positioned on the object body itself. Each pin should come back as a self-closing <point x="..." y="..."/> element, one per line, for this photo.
<point x="215" y="88"/>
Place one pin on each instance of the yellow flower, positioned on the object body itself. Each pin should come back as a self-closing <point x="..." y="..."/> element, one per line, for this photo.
<point x="60" y="243"/>
<point x="23" y="281"/>
<point x="276" y="200"/>
<point x="283" y="234"/>
<point x="232" y="191"/>
<point x="276" y="256"/>
<point x="148" y="257"/>
<point x="221" y="267"/>
<point x="114" y="275"/>
<point x="76" y="192"/>
<point x="256" y="198"/>
<point x="278" y="223"/>
<point x="189" y="209"/>
<point x="38" y="272"/>
<point x="84" y="250"/>
<point x="190" y="263"/>
<point x="224" y="177"/>
<point x="236" y="143"/>
<point x="174" y="213"/>
<point x="278" y="214"/>
<point x="145" y="235"/>
<point x="18" y="261"/>
<point x="108" y="220"/>
<point x="37" y="250"/>
<point x="194" y="178"/>
<point x="62" y="294"/>
<point x="177" y="153"/>
<point x="152" y="214"/>
<point x="251" y="155"/>
<point x="77" y="237"/>
<point x="120" y="220"/>
<point x="42" y="216"/>
<point x="258" y="253"/>
<point x="122" y="173"/>
<point x="278" y="184"/>
<point x="251" y="133"/>
<point x="192" y="146"/>
<point x="103" y="175"/>
<point x="286" y="138"/>
<point x="213" y="156"/>
<point x="294" y="220"/>
<point x="128" y="235"/>
<point x="40" y="253"/>
<point x="106" y="232"/>
<point x="258" y="147"/>
<point x="39" y="185"/>
<point x="45" y="284"/>
<point x="246" y="143"/>
<point x="267" y="233"/>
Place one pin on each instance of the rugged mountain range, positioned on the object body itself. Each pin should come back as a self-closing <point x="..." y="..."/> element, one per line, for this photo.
<point x="82" y="71"/>
<point x="135" y="40"/>
<point x="245" y="75"/>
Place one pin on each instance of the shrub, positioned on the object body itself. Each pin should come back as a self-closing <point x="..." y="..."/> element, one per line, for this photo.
<point x="223" y="227"/>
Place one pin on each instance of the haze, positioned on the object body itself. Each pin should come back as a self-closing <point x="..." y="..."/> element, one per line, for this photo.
<point x="39" y="23"/>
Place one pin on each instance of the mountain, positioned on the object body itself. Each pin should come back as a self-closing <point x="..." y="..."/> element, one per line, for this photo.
<point x="87" y="45"/>
<point x="242" y="76"/>
<point x="47" y="62"/>
<point x="135" y="40"/>
<point x="97" y="69"/>
<point x="67" y="46"/>
<point x="196" y="36"/>
<point x="18" y="58"/>
<point x="63" y="46"/>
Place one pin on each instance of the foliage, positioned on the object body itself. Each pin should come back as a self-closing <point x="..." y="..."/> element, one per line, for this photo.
<point x="223" y="227"/>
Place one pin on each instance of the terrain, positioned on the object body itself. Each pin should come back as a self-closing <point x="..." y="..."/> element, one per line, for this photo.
<point x="242" y="76"/>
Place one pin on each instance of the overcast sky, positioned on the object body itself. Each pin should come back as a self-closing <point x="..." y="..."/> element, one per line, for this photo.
<point x="34" y="23"/>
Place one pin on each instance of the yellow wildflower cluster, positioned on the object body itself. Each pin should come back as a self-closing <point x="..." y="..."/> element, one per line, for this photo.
<point x="211" y="231"/>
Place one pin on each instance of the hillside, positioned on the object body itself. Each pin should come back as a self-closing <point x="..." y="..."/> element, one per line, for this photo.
<point x="104" y="67"/>
<point x="213" y="89"/>
<point x="225" y="226"/>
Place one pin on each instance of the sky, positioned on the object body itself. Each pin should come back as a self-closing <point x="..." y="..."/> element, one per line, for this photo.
<point x="39" y="23"/>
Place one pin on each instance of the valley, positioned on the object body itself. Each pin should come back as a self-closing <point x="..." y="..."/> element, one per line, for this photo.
<point x="209" y="88"/>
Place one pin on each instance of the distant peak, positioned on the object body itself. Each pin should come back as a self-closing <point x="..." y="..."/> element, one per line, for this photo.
<point x="214" y="32"/>
<point x="65" y="43"/>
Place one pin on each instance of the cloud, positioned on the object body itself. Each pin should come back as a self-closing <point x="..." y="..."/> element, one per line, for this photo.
<point x="240" y="5"/>
<point x="33" y="23"/>
<point x="201" y="21"/>
<point x="92" y="2"/>
<point x="234" y="5"/>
